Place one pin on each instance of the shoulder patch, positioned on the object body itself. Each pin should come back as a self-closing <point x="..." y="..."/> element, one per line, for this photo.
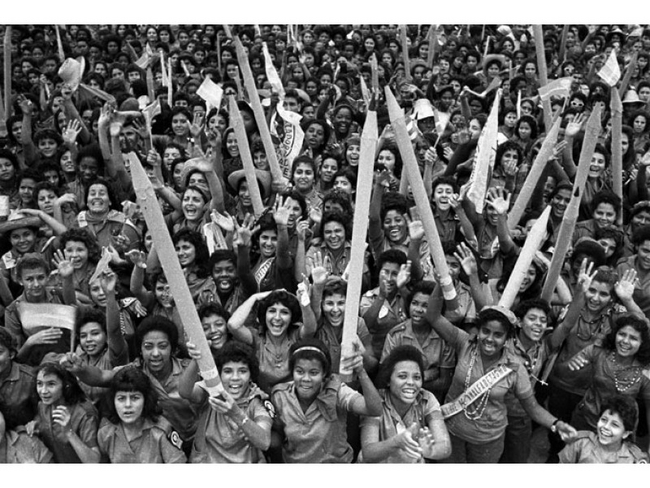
<point x="269" y="407"/>
<point x="175" y="439"/>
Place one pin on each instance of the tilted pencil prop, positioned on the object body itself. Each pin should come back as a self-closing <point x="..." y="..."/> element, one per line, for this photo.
<point x="534" y="241"/>
<point x="396" y="115"/>
<point x="172" y="268"/>
<point x="258" y="111"/>
<point x="433" y="45"/>
<point x="565" y="233"/>
<point x="617" y="151"/>
<point x="7" y="68"/>
<point x="59" y="44"/>
<point x="359" y="232"/>
<point x="374" y="73"/>
<point x="246" y="158"/>
<point x="543" y="72"/>
<point x="627" y="76"/>
<point x="405" y="52"/>
<point x="536" y="170"/>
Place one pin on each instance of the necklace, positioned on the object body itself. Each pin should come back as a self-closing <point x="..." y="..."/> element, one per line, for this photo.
<point x="532" y="364"/>
<point x="624" y="384"/>
<point x="478" y="407"/>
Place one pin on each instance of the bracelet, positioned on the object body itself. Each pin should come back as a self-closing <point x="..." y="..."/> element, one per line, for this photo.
<point x="554" y="426"/>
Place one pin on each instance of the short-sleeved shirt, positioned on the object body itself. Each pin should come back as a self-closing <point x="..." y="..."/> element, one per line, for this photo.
<point x="390" y="315"/>
<point x="114" y="223"/>
<point x="533" y="360"/>
<point x="435" y="351"/>
<point x="18" y="394"/>
<point x="331" y="338"/>
<point x="391" y="423"/>
<point x="153" y="444"/>
<point x="319" y="434"/>
<point x="220" y="440"/>
<point x="19" y="448"/>
<point x="587" y="450"/>
<point x="83" y="422"/>
<point x="603" y="382"/>
<point x="465" y="313"/>
<point x="274" y="361"/>
<point x="492" y="423"/>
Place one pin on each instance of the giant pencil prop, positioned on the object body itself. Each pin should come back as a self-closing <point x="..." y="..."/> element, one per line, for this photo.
<point x="246" y="158"/>
<point x="536" y="170"/>
<point x="396" y="115"/>
<point x="359" y="232"/>
<point x="405" y="52"/>
<point x="565" y="233"/>
<point x="7" y="68"/>
<point x="534" y="241"/>
<point x="617" y="152"/>
<point x="172" y="268"/>
<point x="627" y="76"/>
<point x="258" y="111"/>
<point x="543" y="72"/>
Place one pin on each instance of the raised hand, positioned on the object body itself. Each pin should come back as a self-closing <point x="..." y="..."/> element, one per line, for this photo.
<point x="63" y="264"/>
<point x="466" y="259"/>
<point x="302" y="227"/>
<point x="108" y="280"/>
<point x="416" y="229"/>
<point x="153" y="158"/>
<point x="499" y="200"/>
<point x="404" y="274"/>
<point x="282" y="211"/>
<point x="225" y="222"/>
<point x="71" y="132"/>
<point x="197" y="125"/>
<point x="26" y="105"/>
<point x="585" y="275"/>
<point x="137" y="257"/>
<point x="624" y="287"/>
<point x="319" y="273"/>
<point x="574" y="127"/>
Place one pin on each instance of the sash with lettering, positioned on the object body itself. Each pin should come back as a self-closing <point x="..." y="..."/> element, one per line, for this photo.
<point x="472" y="394"/>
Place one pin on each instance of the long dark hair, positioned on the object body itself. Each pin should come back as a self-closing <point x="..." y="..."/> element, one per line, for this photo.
<point x="72" y="392"/>
<point x="132" y="379"/>
<point x="639" y="325"/>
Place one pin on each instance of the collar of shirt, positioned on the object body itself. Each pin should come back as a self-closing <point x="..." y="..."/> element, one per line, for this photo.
<point x="327" y="399"/>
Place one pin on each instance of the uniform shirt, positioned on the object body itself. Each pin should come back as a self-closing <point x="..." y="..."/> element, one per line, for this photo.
<point x="18" y="394"/>
<point x="103" y="362"/>
<point x="586" y="449"/>
<point x="492" y="424"/>
<point x="319" y="434"/>
<point x="424" y="409"/>
<point x="583" y="334"/>
<point x="532" y="359"/>
<point x="641" y="289"/>
<point x="337" y="262"/>
<point x="153" y="444"/>
<point x="19" y="448"/>
<point x="113" y="224"/>
<point x="331" y="337"/>
<point x="220" y="440"/>
<point x="14" y="326"/>
<point x="390" y="314"/>
<point x="465" y="313"/>
<point x="603" y="387"/>
<point x="274" y="361"/>
<point x="379" y="243"/>
<point x="83" y="422"/>
<point x="435" y="351"/>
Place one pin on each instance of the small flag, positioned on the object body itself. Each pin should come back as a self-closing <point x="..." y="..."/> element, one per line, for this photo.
<point x="150" y="111"/>
<point x="71" y="72"/>
<point x="210" y="92"/>
<point x="556" y="88"/>
<point x="143" y="60"/>
<point x="38" y="316"/>
<point x="611" y="72"/>
<point x="271" y="72"/>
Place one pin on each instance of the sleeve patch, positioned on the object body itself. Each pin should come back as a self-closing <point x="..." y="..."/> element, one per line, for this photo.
<point x="175" y="439"/>
<point x="270" y="408"/>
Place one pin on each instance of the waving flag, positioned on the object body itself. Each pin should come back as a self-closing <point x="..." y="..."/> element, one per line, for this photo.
<point x="611" y="72"/>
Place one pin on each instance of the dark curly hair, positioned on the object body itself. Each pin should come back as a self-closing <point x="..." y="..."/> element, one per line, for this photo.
<point x="623" y="406"/>
<point x="114" y="202"/>
<point x="336" y="216"/>
<point x="393" y="201"/>
<point x="78" y="234"/>
<point x="87" y="316"/>
<point x="132" y="379"/>
<point x="202" y="255"/>
<point x="397" y="355"/>
<point x="423" y="286"/>
<point x="284" y="298"/>
<point x="160" y="324"/>
<point x="638" y="324"/>
<point x="238" y="352"/>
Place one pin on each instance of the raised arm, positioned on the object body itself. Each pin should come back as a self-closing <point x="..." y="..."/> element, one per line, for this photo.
<point x="238" y="318"/>
<point x="117" y="346"/>
<point x="440" y="324"/>
<point x="370" y="403"/>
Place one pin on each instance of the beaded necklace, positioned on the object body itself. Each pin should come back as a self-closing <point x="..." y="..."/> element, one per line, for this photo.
<point x="477" y="407"/>
<point x="530" y="365"/>
<point x="624" y="384"/>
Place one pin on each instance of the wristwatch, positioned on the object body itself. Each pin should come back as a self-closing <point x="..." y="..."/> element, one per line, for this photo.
<point x="554" y="426"/>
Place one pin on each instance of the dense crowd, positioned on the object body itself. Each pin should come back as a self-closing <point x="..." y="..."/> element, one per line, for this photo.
<point x="258" y="170"/>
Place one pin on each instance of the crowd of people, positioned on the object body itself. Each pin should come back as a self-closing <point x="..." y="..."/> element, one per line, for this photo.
<point x="267" y="254"/>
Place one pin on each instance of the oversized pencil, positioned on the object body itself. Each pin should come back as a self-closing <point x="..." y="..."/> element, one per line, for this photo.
<point x="534" y="241"/>
<point x="167" y="254"/>
<point x="617" y="152"/>
<point x="359" y="231"/>
<point x="628" y="75"/>
<point x="543" y="71"/>
<point x="396" y="115"/>
<point x="571" y="214"/>
<point x="405" y="52"/>
<point x="246" y="158"/>
<point x="258" y="111"/>
<point x="536" y="170"/>
<point x="7" y="68"/>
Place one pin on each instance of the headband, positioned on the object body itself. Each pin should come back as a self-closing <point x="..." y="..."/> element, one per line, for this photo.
<point x="309" y="348"/>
